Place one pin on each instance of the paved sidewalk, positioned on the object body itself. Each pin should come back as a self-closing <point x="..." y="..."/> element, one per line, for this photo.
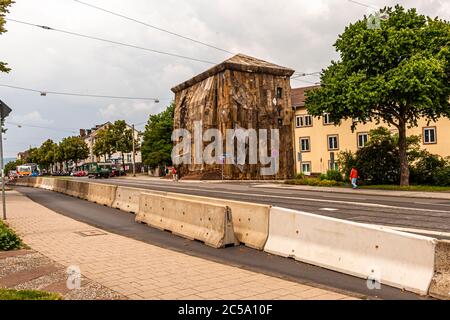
<point x="142" y="271"/>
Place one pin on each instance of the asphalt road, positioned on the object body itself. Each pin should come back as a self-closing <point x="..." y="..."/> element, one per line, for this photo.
<point x="118" y="222"/>
<point x="410" y="213"/>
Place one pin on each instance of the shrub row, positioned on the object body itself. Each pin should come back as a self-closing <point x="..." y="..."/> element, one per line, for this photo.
<point x="8" y="239"/>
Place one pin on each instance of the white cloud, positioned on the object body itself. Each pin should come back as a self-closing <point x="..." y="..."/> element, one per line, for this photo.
<point x="31" y="118"/>
<point x="134" y="111"/>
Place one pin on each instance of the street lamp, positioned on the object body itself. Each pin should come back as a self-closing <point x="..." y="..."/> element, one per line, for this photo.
<point x="4" y="112"/>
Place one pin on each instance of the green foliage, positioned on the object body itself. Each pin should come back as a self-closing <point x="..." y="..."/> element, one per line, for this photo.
<point x="46" y="153"/>
<point x="4" y="4"/>
<point x="8" y="239"/>
<point x="334" y="175"/>
<point x="103" y="143"/>
<point x="157" y="145"/>
<point x="10" y="294"/>
<point x="427" y="168"/>
<point x="74" y="149"/>
<point x="443" y="176"/>
<point x="299" y="176"/>
<point x="315" y="182"/>
<point x="396" y="74"/>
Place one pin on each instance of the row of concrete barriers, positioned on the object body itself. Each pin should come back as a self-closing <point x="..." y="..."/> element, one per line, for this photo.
<point x="382" y="256"/>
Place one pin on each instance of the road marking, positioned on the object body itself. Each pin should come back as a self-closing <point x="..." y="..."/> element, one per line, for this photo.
<point x="328" y="209"/>
<point x="373" y="205"/>
<point x="421" y="231"/>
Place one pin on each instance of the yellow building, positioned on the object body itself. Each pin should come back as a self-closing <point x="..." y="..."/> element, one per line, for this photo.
<point x="317" y="141"/>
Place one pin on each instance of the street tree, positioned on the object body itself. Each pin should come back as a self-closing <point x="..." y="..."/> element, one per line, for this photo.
<point x="4" y="5"/>
<point x="122" y="137"/>
<point x="74" y="149"/>
<point x="396" y="74"/>
<point x="47" y="153"/>
<point x="104" y="145"/>
<point x="157" y="144"/>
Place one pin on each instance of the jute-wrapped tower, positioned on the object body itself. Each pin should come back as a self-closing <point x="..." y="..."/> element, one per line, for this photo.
<point x="242" y="92"/>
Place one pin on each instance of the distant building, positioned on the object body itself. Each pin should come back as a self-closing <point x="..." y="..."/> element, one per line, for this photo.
<point x="318" y="140"/>
<point x="23" y="155"/>
<point x="89" y="136"/>
<point x="241" y="92"/>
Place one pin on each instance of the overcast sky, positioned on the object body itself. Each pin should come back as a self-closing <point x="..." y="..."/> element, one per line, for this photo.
<point x="294" y="33"/>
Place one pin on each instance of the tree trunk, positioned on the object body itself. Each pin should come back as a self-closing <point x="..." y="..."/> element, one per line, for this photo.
<point x="402" y="148"/>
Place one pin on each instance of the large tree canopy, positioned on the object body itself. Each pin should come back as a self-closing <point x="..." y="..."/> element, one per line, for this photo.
<point x="4" y="4"/>
<point x="157" y="145"/>
<point x="397" y="73"/>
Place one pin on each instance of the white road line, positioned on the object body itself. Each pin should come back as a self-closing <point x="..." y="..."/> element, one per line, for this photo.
<point x="373" y="205"/>
<point x="421" y="231"/>
<point x="328" y="209"/>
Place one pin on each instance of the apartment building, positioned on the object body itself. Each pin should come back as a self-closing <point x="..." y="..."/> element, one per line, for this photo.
<point x="318" y="141"/>
<point x="89" y="136"/>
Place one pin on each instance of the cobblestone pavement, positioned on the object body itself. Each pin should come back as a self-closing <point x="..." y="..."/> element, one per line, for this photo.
<point x="30" y="270"/>
<point x="138" y="270"/>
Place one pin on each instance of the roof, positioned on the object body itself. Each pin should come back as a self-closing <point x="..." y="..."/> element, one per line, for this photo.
<point x="239" y="62"/>
<point x="298" y="96"/>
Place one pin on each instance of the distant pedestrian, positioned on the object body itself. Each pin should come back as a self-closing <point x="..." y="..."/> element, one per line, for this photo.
<point x="174" y="174"/>
<point x="354" y="175"/>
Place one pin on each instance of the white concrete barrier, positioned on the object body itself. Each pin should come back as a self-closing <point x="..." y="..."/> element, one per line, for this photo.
<point x="77" y="189"/>
<point x="103" y="194"/>
<point x="386" y="256"/>
<point x="195" y="220"/>
<point x="250" y="220"/>
<point x="127" y="199"/>
<point x="47" y="184"/>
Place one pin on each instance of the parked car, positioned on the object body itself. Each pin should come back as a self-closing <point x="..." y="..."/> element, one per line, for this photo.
<point x="80" y="173"/>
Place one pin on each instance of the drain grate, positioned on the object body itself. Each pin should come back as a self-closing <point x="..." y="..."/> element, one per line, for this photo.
<point x="91" y="233"/>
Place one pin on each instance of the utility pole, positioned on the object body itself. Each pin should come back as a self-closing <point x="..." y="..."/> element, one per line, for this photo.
<point x="134" y="154"/>
<point x="4" y="112"/>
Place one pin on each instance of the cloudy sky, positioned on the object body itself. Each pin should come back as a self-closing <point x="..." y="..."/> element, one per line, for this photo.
<point x="293" y="33"/>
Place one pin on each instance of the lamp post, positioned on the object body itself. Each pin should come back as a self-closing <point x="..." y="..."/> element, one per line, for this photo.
<point x="4" y="112"/>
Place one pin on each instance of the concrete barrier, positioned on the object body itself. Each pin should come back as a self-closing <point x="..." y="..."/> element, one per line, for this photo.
<point x="47" y="184"/>
<point x="127" y="199"/>
<point x="386" y="256"/>
<point x="103" y="194"/>
<point x="440" y="285"/>
<point x="195" y="220"/>
<point x="37" y="182"/>
<point x="77" y="189"/>
<point x="60" y="185"/>
<point x="250" y="221"/>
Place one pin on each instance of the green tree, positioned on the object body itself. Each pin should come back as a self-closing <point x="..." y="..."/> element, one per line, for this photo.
<point x="47" y="153"/>
<point x="104" y="145"/>
<point x="122" y="137"/>
<point x="33" y="156"/>
<point x="396" y="74"/>
<point x="74" y="149"/>
<point x="4" y="4"/>
<point x="157" y="145"/>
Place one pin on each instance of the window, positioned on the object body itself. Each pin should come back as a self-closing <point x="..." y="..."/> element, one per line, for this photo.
<point x="279" y="93"/>
<point x="299" y="121"/>
<point x="129" y="158"/>
<point x="333" y="166"/>
<point x="333" y="142"/>
<point x="306" y="168"/>
<point x="429" y="135"/>
<point x="305" y="144"/>
<point x="308" y="121"/>
<point x="303" y="121"/>
<point x="362" y="139"/>
<point x="326" y="119"/>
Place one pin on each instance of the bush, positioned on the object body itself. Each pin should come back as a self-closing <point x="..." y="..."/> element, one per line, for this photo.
<point x="323" y="177"/>
<point x="299" y="176"/>
<point x="8" y="239"/>
<point x="334" y="175"/>
<point x="315" y="182"/>
<point x="442" y="177"/>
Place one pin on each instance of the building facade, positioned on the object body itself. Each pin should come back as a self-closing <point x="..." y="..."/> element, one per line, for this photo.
<point x="89" y="137"/>
<point x="319" y="142"/>
<point x="240" y="93"/>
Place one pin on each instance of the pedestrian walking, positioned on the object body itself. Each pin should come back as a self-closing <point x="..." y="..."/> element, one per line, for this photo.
<point x="174" y="174"/>
<point x="354" y="175"/>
